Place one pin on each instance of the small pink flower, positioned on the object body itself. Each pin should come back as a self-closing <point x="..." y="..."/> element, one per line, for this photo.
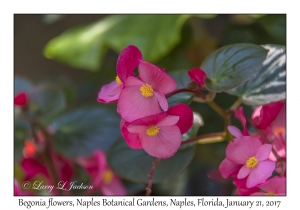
<point x="128" y="60"/>
<point x="160" y="134"/>
<point x="21" y="99"/>
<point x="143" y="97"/>
<point x="198" y="76"/>
<point x="274" y="186"/>
<point x="102" y="177"/>
<point x="249" y="157"/>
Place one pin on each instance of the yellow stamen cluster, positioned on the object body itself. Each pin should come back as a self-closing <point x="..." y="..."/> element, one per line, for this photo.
<point x="107" y="177"/>
<point x="251" y="162"/>
<point x="146" y="90"/>
<point x="118" y="80"/>
<point x="152" y="131"/>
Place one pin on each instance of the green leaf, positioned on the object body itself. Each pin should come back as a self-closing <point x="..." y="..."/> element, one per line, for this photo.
<point x="269" y="83"/>
<point x="135" y="165"/>
<point x="232" y="65"/>
<point x="182" y="80"/>
<point x="84" y="47"/>
<point x="82" y="131"/>
<point x="46" y="100"/>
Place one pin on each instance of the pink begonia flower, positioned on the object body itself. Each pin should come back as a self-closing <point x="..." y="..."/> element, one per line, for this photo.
<point x="272" y="119"/>
<point x="198" y="76"/>
<point x="274" y="186"/>
<point x="263" y="116"/>
<point x="102" y="177"/>
<point x="251" y="156"/>
<point x="241" y="187"/>
<point x="128" y="60"/>
<point x="160" y="134"/>
<point x="143" y="97"/>
<point x="21" y="99"/>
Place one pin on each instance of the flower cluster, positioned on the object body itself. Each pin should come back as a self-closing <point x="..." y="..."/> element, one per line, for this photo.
<point x="253" y="159"/>
<point x="146" y="120"/>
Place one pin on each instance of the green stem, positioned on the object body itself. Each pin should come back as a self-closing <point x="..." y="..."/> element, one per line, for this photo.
<point x="205" y="137"/>
<point x="235" y="105"/>
<point x="48" y="157"/>
<point x="150" y="175"/>
<point x="217" y="108"/>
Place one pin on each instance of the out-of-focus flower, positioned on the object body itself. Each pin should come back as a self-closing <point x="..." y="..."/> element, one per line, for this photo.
<point x="160" y="134"/>
<point x="251" y="156"/>
<point x="274" y="186"/>
<point x="128" y="60"/>
<point x="198" y="76"/>
<point x="29" y="149"/>
<point x="102" y="177"/>
<point x="143" y="97"/>
<point x="21" y="99"/>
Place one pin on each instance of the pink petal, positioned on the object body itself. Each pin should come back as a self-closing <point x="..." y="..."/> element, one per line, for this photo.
<point x="260" y="173"/>
<point x="132" y="139"/>
<point x="137" y="128"/>
<point x="161" y="100"/>
<point x="109" y="93"/>
<point x="241" y="149"/>
<point x="150" y="120"/>
<point x="168" y="120"/>
<point x="128" y="60"/>
<point x="276" y="185"/>
<point x="241" y="187"/>
<point x="132" y="81"/>
<point x="33" y="167"/>
<point x="165" y="144"/>
<point x="234" y="131"/>
<point x="198" y="76"/>
<point x="21" y="99"/>
<point x="228" y="168"/>
<point x="267" y="114"/>
<point x="17" y="189"/>
<point x="116" y="91"/>
<point x="186" y="116"/>
<point x="244" y="171"/>
<point x="239" y="114"/>
<point x="263" y="152"/>
<point x="133" y="105"/>
<point x="158" y="79"/>
<point x="115" y="187"/>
